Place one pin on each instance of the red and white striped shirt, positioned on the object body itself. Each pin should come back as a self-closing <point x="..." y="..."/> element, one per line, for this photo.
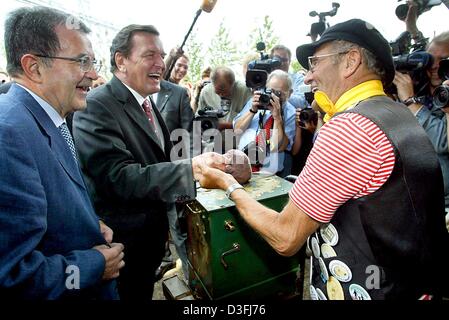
<point x="351" y="158"/>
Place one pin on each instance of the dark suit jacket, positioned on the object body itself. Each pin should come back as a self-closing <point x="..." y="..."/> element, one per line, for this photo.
<point x="174" y="105"/>
<point x="130" y="176"/>
<point x="47" y="222"/>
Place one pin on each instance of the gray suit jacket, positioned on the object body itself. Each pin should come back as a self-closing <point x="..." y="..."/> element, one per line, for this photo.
<point x="174" y="105"/>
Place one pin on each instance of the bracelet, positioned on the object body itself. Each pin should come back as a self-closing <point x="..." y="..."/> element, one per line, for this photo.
<point x="252" y="111"/>
<point x="232" y="188"/>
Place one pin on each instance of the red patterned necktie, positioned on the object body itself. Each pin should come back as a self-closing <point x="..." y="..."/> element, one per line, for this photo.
<point x="149" y="112"/>
<point x="263" y="139"/>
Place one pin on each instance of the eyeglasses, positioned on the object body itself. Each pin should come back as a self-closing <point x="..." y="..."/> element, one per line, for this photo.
<point x="86" y="63"/>
<point x="313" y="60"/>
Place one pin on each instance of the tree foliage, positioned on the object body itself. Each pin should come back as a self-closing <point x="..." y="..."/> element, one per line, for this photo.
<point x="222" y="50"/>
<point x="264" y="33"/>
<point x="196" y="58"/>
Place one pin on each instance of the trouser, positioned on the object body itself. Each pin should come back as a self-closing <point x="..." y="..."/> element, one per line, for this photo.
<point x="178" y="234"/>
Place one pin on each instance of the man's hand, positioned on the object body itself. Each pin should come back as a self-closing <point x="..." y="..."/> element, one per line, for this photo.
<point x="212" y="178"/>
<point x="411" y="18"/>
<point x="209" y="159"/>
<point x="404" y="84"/>
<point x="114" y="260"/>
<point x="106" y="232"/>
<point x="275" y="107"/>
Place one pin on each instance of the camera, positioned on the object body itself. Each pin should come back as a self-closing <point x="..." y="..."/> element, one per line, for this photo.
<point x="423" y="6"/>
<point x="441" y="97"/>
<point x="258" y="70"/>
<point x="415" y="61"/>
<point x="308" y="115"/>
<point x="411" y="59"/>
<point x="443" y="70"/>
<point x="209" y="118"/>
<point x="441" y="94"/>
<point x="265" y="98"/>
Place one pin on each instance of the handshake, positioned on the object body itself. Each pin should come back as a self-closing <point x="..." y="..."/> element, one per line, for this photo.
<point x="216" y="171"/>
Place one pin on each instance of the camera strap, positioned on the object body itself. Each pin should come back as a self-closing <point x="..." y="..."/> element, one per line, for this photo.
<point x="265" y="131"/>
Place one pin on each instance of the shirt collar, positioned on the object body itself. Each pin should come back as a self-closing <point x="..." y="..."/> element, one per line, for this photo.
<point x="49" y="110"/>
<point x="139" y="98"/>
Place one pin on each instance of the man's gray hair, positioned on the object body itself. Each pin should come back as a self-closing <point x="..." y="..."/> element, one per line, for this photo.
<point x="280" y="74"/>
<point x="372" y="63"/>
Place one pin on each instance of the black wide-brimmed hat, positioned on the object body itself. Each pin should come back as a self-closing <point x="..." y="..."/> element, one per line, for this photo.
<point x="356" y="31"/>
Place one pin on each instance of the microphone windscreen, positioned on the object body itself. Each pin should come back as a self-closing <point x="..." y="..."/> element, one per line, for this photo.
<point x="208" y="5"/>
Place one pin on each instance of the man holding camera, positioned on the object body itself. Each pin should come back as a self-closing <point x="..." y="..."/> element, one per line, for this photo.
<point x="433" y="118"/>
<point x="267" y="124"/>
<point x="369" y="201"/>
<point x="225" y="94"/>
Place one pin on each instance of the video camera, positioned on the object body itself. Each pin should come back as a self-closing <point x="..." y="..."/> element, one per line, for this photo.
<point x="318" y="28"/>
<point x="257" y="75"/>
<point x="423" y="6"/>
<point x="411" y="59"/>
<point x="209" y="117"/>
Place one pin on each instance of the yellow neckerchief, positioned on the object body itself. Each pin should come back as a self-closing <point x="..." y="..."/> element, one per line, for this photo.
<point x="359" y="93"/>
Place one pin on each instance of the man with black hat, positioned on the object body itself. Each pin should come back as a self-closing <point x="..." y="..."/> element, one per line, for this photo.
<point x="369" y="201"/>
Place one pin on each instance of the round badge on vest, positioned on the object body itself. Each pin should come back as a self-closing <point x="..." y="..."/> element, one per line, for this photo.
<point x="329" y="234"/>
<point x="321" y="295"/>
<point x="313" y="293"/>
<point x="334" y="289"/>
<point x="340" y="271"/>
<point x="358" y="293"/>
<point x="315" y="247"/>
<point x="327" y="251"/>
<point x="324" y="274"/>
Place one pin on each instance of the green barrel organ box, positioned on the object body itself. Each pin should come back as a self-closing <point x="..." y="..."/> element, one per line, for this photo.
<point x="227" y="258"/>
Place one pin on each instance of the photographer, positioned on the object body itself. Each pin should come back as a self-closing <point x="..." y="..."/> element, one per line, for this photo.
<point x="224" y="90"/>
<point x="270" y="128"/>
<point x="431" y="118"/>
<point x="284" y="55"/>
<point x="308" y="123"/>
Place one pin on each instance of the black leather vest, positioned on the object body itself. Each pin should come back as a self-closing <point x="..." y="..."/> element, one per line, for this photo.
<point x="391" y="244"/>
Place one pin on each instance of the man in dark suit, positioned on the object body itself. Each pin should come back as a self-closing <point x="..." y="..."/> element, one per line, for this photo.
<point x="124" y="148"/>
<point x="173" y="103"/>
<point x="52" y="245"/>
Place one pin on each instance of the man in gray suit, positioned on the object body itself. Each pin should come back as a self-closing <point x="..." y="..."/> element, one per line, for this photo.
<point x="174" y="105"/>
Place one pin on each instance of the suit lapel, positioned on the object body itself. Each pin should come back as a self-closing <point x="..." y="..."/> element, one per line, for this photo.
<point x="58" y="145"/>
<point x="134" y="110"/>
<point x="163" y="96"/>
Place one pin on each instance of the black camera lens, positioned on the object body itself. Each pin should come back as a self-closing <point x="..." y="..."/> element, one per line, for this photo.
<point x="443" y="70"/>
<point x="401" y="11"/>
<point x="441" y="97"/>
<point x="206" y="125"/>
<point x="308" y="115"/>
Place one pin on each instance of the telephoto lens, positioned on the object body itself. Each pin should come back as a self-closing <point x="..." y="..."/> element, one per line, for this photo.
<point x="441" y="97"/>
